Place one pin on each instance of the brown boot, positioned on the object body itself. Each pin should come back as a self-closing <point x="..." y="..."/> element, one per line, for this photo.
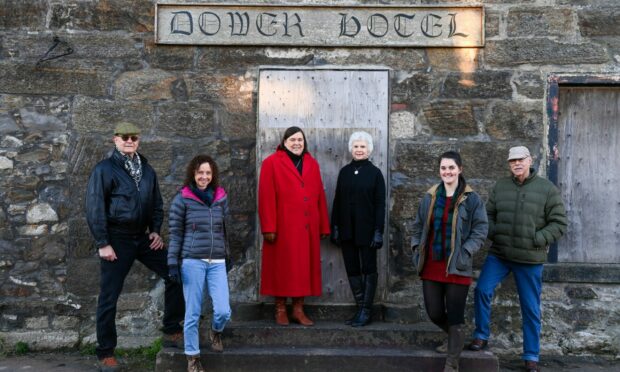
<point x="216" y="341"/>
<point x="193" y="364"/>
<point x="281" y="315"/>
<point x="298" y="312"/>
<point x="456" y="338"/>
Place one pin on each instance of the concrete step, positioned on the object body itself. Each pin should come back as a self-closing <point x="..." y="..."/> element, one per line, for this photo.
<point x="327" y="334"/>
<point x="311" y="359"/>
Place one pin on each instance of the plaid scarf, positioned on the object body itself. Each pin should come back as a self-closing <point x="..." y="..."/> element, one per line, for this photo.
<point x="133" y="167"/>
<point x="442" y="231"/>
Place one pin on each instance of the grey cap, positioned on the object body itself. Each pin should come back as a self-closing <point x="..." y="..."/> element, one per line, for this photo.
<point x="518" y="152"/>
<point x="124" y="127"/>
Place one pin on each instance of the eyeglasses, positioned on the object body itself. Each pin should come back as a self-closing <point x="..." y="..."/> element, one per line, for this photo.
<point x="126" y="137"/>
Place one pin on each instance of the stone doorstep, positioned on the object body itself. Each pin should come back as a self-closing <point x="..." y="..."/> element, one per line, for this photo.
<point x="327" y="334"/>
<point x="381" y="312"/>
<point x="311" y="359"/>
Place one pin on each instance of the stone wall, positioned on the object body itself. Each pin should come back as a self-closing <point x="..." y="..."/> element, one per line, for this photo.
<point x="56" y="119"/>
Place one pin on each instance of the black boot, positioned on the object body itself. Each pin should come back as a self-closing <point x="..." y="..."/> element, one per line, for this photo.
<point x="357" y="288"/>
<point x="456" y="338"/>
<point x="365" y="314"/>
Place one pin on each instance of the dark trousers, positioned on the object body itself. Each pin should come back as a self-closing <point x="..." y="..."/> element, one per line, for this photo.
<point x="113" y="273"/>
<point x="445" y="303"/>
<point x="359" y="260"/>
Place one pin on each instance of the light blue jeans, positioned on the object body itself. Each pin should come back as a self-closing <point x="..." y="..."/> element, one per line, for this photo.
<point x="528" y="278"/>
<point x="195" y="273"/>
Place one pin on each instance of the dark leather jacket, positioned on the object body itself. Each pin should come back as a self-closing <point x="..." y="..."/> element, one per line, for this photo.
<point x="115" y="206"/>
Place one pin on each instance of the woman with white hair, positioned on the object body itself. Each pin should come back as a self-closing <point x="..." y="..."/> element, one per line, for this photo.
<point x="358" y="220"/>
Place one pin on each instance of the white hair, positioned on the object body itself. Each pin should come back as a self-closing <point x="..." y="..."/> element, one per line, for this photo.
<point x="361" y="136"/>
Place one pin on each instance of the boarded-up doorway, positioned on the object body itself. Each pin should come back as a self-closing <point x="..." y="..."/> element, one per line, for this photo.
<point x="588" y="173"/>
<point x="329" y="105"/>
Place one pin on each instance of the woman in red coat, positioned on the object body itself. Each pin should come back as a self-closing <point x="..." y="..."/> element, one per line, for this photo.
<point x="293" y="218"/>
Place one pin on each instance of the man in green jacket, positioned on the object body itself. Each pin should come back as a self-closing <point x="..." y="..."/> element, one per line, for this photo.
<point x="526" y="214"/>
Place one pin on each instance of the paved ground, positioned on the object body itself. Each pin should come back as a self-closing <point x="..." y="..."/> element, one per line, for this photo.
<point x="74" y="362"/>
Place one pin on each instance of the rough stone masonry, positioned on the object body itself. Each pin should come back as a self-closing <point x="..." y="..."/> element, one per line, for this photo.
<point x="56" y="119"/>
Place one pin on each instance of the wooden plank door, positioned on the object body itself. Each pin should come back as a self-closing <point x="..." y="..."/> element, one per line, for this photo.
<point x="589" y="174"/>
<point x="329" y="105"/>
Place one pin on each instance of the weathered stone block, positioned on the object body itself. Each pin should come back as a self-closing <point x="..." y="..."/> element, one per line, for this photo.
<point x="541" y="51"/>
<point x="451" y="119"/>
<point x="191" y="120"/>
<point x="241" y="59"/>
<point x="481" y="84"/>
<point x="581" y="293"/>
<point x="83" y="276"/>
<point x="529" y="84"/>
<point x="134" y="16"/>
<point x="454" y="59"/>
<point x="22" y="15"/>
<point x="40" y="322"/>
<point x="515" y="121"/>
<point x="540" y="21"/>
<point x="65" y="322"/>
<point x="169" y="57"/>
<point x="6" y="163"/>
<point x="41" y="212"/>
<point x="144" y="85"/>
<point x="405" y="59"/>
<point x="492" y="21"/>
<point x="412" y="89"/>
<point x="235" y="92"/>
<point x="599" y="21"/>
<point x="100" y="115"/>
<point x="29" y="79"/>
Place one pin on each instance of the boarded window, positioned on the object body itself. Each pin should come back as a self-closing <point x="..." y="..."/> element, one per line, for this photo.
<point x="589" y="173"/>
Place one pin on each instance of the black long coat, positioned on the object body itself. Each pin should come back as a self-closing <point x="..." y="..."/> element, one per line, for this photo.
<point x="359" y="203"/>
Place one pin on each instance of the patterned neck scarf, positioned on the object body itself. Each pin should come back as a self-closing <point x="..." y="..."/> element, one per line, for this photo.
<point x="133" y="167"/>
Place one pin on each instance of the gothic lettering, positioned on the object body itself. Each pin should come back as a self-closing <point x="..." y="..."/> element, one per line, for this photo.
<point x="377" y="25"/>
<point x="344" y="26"/>
<point x="296" y="24"/>
<point x="265" y="23"/>
<point x="209" y="23"/>
<point x="182" y="23"/>
<point x="401" y="21"/>
<point x="453" y="27"/>
<point x="430" y="24"/>
<point x="239" y="23"/>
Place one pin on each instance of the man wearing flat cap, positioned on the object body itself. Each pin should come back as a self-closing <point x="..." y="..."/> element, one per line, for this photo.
<point x="124" y="210"/>
<point x="526" y="214"/>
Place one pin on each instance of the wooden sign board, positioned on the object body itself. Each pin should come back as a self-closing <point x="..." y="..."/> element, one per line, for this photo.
<point x="329" y="26"/>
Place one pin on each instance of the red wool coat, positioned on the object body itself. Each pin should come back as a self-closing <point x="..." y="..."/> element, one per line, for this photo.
<point x="293" y="207"/>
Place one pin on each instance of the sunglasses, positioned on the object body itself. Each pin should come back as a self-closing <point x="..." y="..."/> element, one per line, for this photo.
<point x="126" y="137"/>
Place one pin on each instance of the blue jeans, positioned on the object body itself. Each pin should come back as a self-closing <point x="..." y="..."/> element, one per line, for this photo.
<point x="528" y="278"/>
<point x="195" y="273"/>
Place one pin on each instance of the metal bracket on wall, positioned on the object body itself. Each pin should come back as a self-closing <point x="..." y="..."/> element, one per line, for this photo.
<point x="67" y="50"/>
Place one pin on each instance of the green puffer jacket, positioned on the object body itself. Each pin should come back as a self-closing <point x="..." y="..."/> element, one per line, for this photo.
<point x="525" y="218"/>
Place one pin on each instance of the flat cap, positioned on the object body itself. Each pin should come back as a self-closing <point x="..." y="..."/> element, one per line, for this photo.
<point x="125" y="127"/>
<point x="518" y="152"/>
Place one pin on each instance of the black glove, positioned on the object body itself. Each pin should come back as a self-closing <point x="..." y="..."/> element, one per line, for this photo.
<point x="173" y="274"/>
<point x="335" y="236"/>
<point x="377" y="240"/>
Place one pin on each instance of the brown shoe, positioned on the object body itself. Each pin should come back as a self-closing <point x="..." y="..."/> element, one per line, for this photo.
<point x="478" y="344"/>
<point x="109" y="364"/>
<point x="531" y="366"/>
<point x="281" y="315"/>
<point x="194" y="364"/>
<point x="216" y="341"/>
<point x="174" y="340"/>
<point x="298" y="312"/>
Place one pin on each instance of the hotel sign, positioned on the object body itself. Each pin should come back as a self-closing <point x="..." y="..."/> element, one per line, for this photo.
<point x="309" y="25"/>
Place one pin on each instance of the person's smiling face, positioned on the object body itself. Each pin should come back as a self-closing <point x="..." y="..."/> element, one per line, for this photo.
<point x="203" y="176"/>
<point x="359" y="150"/>
<point x="520" y="168"/>
<point x="449" y="171"/>
<point x="127" y="143"/>
<point x="295" y="143"/>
